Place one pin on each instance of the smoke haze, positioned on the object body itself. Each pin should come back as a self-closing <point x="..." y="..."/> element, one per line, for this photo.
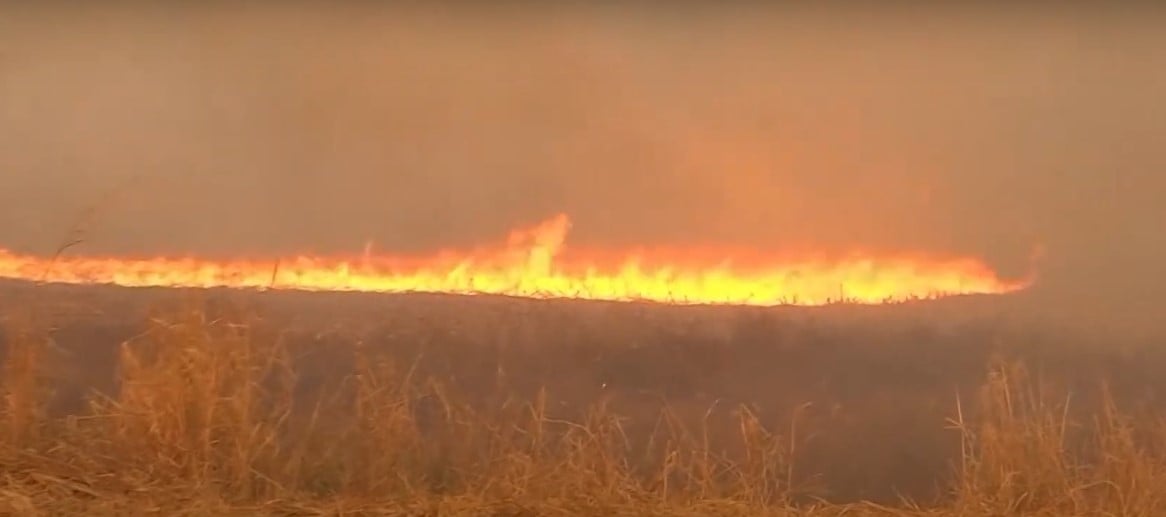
<point x="236" y="131"/>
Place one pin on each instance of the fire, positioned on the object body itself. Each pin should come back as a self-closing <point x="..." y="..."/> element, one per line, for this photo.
<point x="534" y="263"/>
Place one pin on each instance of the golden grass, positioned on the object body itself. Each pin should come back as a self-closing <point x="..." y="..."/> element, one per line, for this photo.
<point x="207" y="420"/>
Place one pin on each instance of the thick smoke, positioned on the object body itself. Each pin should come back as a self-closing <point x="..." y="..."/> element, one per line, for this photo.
<point x="226" y="131"/>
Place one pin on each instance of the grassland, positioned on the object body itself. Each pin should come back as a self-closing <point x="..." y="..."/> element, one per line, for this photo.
<point x="121" y="402"/>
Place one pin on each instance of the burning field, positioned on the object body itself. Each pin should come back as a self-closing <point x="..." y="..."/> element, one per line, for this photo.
<point x="213" y="400"/>
<point x="532" y="263"/>
<point x="509" y="259"/>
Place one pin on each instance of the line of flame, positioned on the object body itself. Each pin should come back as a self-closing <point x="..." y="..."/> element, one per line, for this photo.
<point x="533" y="263"/>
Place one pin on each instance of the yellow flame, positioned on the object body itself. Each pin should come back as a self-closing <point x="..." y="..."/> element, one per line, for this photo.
<point x="533" y="263"/>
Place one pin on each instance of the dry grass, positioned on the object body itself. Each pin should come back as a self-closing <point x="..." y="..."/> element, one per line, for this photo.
<point x="209" y="418"/>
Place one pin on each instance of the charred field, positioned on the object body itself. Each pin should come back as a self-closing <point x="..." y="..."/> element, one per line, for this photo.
<point x="221" y="401"/>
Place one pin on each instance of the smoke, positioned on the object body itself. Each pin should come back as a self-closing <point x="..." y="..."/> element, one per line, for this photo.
<point x="231" y="131"/>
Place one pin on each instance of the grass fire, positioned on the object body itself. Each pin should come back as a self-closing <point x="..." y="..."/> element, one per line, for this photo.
<point x="532" y="263"/>
<point x="516" y="259"/>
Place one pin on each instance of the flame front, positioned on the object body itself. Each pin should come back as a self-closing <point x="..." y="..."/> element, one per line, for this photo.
<point x="533" y="263"/>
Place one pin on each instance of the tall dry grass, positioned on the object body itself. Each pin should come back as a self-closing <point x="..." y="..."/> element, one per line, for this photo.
<point x="210" y="417"/>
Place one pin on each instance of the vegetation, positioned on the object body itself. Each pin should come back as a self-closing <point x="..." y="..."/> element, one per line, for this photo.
<point x="220" y="412"/>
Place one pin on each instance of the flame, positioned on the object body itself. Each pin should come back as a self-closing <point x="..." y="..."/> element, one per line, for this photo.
<point x="534" y="263"/>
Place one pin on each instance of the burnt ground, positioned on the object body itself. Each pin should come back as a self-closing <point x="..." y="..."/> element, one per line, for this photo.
<point x="880" y="381"/>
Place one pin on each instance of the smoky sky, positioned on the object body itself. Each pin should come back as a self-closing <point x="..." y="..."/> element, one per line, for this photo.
<point x="231" y="131"/>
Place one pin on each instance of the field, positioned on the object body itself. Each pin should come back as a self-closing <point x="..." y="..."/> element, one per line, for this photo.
<point x="120" y="401"/>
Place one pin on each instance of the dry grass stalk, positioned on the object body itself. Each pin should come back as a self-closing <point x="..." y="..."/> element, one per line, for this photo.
<point x="207" y="420"/>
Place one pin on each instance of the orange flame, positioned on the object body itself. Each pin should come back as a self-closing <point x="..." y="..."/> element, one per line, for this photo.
<point x="533" y="263"/>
